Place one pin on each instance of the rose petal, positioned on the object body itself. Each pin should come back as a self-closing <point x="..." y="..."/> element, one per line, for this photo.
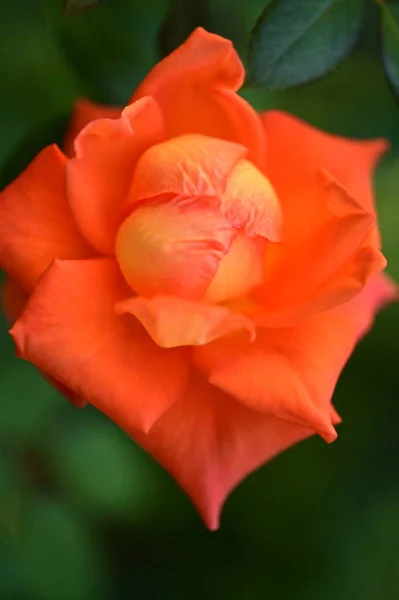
<point x="291" y="373"/>
<point x="249" y="202"/>
<point x="325" y="223"/>
<point x="365" y="263"/>
<point x="173" y="247"/>
<point x="195" y="85"/>
<point x="299" y="150"/>
<point x="209" y="442"/>
<point x="99" y="177"/>
<point x="270" y="376"/>
<point x="36" y="225"/>
<point x="377" y="294"/>
<point x="14" y="302"/>
<point x="84" y="112"/>
<point x="69" y="329"/>
<point x="189" y="165"/>
<point x="172" y="321"/>
<point x="239" y="271"/>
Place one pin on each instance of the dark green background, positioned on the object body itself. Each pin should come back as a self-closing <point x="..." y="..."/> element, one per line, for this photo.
<point x="84" y="513"/>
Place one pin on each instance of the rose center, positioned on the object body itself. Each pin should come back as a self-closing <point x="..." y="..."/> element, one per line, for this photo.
<point x="201" y="218"/>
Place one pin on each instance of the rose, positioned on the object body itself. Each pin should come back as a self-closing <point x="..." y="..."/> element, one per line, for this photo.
<point x="196" y="271"/>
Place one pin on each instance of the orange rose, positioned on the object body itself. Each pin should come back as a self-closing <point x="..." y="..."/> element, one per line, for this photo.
<point x="198" y="272"/>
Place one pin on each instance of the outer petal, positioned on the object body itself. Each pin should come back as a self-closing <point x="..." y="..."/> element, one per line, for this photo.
<point x="324" y="186"/>
<point x="36" y="225"/>
<point x="172" y="321"/>
<point x="99" y="177"/>
<point x="379" y="292"/>
<point x="306" y="150"/>
<point x="350" y="279"/>
<point x="297" y="152"/>
<point x="14" y="301"/>
<point x="195" y="87"/>
<point x="69" y="329"/>
<point x="305" y="277"/>
<point x="291" y="373"/>
<point x="270" y="376"/>
<point x="84" y="112"/>
<point x="209" y="442"/>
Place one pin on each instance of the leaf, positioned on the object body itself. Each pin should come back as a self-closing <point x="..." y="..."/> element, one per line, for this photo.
<point x="296" y="41"/>
<point x="74" y="6"/>
<point x="390" y="41"/>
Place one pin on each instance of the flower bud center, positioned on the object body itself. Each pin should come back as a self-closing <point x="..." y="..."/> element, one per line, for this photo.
<point x="201" y="218"/>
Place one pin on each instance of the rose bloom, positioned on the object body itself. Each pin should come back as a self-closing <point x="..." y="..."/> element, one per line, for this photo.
<point x="198" y="272"/>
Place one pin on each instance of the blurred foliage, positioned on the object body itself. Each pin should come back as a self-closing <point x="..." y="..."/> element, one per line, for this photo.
<point x="179" y="22"/>
<point x="72" y="6"/>
<point x="390" y="41"/>
<point x="84" y="513"/>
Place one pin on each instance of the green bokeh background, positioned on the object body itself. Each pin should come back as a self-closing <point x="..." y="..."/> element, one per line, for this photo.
<point x="84" y="513"/>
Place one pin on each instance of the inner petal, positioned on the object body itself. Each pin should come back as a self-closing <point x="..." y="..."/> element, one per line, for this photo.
<point x="191" y="198"/>
<point x="239" y="271"/>
<point x="250" y="202"/>
<point x="173" y="247"/>
<point x="189" y="165"/>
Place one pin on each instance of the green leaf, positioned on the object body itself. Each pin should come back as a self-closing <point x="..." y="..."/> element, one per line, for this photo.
<point x="296" y="41"/>
<point x="73" y="6"/>
<point x="390" y="41"/>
